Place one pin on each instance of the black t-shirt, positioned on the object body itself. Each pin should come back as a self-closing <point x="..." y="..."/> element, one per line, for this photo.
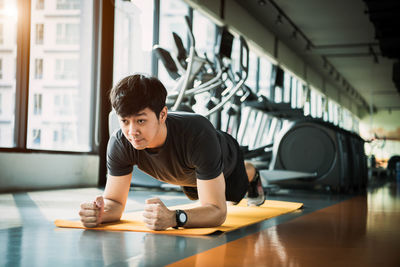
<point x="193" y="149"/>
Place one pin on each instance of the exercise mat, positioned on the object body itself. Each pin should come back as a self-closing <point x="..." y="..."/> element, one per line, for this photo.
<point x="238" y="216"/>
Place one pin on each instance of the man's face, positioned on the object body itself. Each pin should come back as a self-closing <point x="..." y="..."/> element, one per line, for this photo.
<point x="144" y="129"/>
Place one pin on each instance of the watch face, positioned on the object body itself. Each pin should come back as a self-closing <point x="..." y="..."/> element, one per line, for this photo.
<point x="182" y="217"/>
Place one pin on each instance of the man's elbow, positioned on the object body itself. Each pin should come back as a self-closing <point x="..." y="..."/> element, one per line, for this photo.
<point x="222" y="213"/>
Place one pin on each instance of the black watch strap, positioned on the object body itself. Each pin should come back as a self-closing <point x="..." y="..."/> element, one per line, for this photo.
<point x="181" y="218"/>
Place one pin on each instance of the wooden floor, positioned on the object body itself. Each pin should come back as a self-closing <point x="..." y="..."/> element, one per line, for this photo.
<point x="331" y="230"/>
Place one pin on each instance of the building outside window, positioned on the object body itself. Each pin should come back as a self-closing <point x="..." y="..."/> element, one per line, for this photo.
<point x="39" y="4"/>
<point x="1" y="33"/>
<point x="55" y="136"/>
<point x="37" y="106"/>
<point x="172" y="13"/>
<point x="67" y="33"/>
<point x="204" y="31"/>
<point x="68" y="4"/>
<point x="36" y="133"/>
<point x="39" y="33"/>
<point x="38" y="68"/>
<point x="68" y="70"/>
<point x="133" y="38"/>
<point x="8" y="55"/>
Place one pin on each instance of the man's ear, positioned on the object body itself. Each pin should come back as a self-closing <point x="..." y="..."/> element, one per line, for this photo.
<point x="163" y="114"/>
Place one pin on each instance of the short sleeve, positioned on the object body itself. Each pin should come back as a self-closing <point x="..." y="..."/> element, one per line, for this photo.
<point x="206" y="153"/>
<point x="118" y="161"/>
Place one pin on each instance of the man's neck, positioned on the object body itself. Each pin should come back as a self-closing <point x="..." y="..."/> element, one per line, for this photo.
<point x="161" y="137"/>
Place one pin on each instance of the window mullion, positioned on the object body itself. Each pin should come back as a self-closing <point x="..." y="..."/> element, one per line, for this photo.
<point x="22" y="74"/>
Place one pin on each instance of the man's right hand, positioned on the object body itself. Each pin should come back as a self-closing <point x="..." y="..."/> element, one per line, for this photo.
<point x="92" y="212"/>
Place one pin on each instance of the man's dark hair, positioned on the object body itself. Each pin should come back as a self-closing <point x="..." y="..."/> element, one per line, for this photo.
<point x="137" y="92"/>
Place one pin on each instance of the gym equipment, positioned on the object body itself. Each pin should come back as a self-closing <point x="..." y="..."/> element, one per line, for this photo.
<point x="334" y="156"/>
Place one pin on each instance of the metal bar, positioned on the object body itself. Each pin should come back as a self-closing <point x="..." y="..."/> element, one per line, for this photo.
<point x="156" y="36"/>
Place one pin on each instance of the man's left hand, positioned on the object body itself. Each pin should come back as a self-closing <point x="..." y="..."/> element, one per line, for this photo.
<point x="157" y="216"/>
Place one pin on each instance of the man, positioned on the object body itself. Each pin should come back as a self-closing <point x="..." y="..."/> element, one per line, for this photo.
<point x="178" y="148"/>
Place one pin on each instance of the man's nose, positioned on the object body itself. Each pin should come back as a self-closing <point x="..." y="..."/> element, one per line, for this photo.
<point x="133" y="130"/>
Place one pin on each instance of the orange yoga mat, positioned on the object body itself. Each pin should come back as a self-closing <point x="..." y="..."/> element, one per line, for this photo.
<point x="238" y="216"/>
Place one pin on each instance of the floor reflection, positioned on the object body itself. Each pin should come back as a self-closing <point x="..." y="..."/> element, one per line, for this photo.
<point x="361" y="231"/>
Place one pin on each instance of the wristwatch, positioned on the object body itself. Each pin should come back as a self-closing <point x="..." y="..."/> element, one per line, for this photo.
<point x="181" y="218"/>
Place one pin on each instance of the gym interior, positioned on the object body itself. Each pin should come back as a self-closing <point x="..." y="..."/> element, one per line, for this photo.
<point x="309" y="89"/>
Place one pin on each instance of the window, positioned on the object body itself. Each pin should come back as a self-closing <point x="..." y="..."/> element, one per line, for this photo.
<point x="36" y="133"/>
<point x="336" y="111"/>
<point x="278" y="94"/>
<point x="39" y="4"/>
<point x="313" y="103"/>
<point x="55" y="136"/>
<point x="306" y="100"/>
<point x="172" y="13"/>
<point x="300" y="94"/>
<point x="66" y="69"/>
<point x="204" y="31"/>
<point x="68" y="4"/>
<point x="319" y="105"/>
<point x="37" y="106"/>
<point x="253" y="69"/>
<point x="38" y="68"/>
<point x="265" y="77"/>
<point x="67" y="33"/>
<point x="325" y="108"/>
<point x="39" y="33"/>
<point x="8" y="38"/>
<point x="62" y="104"/>
<point x="287" y="87"/>
<point x="1" y="33"/>
<point x="66" y="72"/>
<point x="293" y="86"/>
<point x="133" y="38"/>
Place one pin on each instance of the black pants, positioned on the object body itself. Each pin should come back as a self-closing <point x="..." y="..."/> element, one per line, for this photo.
<point x="236" y="184"/>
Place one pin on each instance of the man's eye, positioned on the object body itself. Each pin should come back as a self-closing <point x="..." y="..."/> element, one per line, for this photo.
<point x="141" y="121"/>
<point x="124" y="121"/>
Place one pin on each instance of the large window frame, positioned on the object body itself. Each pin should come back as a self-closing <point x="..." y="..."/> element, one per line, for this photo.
<point x="24" y="37"/>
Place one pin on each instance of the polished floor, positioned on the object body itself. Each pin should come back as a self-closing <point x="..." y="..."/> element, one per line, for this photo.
<point x="331" y="230"/>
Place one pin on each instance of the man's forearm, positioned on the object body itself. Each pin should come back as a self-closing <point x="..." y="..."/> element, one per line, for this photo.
<point x="112" y="211"/>
<point x="205" y="216"/>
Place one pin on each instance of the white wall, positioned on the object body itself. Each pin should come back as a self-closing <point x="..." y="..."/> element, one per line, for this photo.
<point x="47" y="171"/>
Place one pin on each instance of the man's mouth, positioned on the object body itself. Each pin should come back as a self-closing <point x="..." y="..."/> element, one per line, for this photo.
<point x="137" y="140"/>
